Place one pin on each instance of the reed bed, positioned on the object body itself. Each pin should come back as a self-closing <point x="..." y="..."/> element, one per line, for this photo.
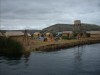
<point x="51" y="46"/>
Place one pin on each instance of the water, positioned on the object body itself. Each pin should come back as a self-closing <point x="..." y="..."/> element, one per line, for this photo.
<point x="83" y="60"/>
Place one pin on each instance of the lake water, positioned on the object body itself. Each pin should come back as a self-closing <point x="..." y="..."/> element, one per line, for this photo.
<point x="83" y="60"/>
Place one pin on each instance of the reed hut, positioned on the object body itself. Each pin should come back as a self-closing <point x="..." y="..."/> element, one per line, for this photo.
<point x="37" y="35"/>
<point x="49" y="36"/>
<point x="67" y="33"/>
<point x="14" y="34"/>
<point x="94" y="33"/>
<point x="19" y="36"/>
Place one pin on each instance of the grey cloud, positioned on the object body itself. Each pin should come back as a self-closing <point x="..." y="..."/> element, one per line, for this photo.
<point x="42" y="13"/>
<point x="98" y="5"/>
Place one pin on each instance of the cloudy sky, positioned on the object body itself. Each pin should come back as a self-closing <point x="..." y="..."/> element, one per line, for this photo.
<point x="38" y="14"/>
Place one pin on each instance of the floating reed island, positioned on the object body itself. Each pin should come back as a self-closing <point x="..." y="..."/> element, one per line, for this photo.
<point x="61" y="44"/>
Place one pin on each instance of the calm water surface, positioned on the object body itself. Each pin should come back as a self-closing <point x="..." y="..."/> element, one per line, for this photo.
<point x="83" y="60"/>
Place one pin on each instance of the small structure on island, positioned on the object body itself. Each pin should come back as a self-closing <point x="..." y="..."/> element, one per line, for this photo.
<point x="78" y="29"/>
<point x="19" y="36"/>
<point x="67" y="33"/>
<point x="49" y="36"/>
<point x="77" y="26"/>
<point x="94" y="33"/>
<point x="36" y="35"/>
<point x="15" y="34"/>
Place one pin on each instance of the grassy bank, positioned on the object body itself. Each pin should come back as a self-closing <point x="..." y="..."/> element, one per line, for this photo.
<point x="51" y="46"/>
<point x="11" y="47"/>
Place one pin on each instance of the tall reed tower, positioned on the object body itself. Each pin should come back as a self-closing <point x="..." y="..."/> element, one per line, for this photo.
<point x="77" y="26"/>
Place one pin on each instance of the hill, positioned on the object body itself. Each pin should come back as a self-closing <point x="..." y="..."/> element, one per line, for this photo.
<point x="69" y="27"/>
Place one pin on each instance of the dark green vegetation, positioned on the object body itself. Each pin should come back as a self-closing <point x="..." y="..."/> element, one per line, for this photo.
<point x="10" y="47"/>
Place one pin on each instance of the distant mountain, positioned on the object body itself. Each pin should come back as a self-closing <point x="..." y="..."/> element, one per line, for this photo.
<point x="32" y="31"/>
<point x="69" y="27"/>
<point x="29" y="31"/>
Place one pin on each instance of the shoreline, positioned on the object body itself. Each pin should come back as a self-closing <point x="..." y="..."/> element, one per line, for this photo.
<point x="71" y="43"/>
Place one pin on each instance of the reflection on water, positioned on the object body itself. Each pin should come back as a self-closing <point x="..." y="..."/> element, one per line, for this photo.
<point x="78" y="53"/>
<point x="26" y="56"/>
<point x="11" y="59"/>
<point x="80" y="60"/>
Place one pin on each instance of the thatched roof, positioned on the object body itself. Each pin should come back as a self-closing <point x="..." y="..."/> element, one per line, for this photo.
<point x="93" y="32"/>
<point x="14" y="33"/>
<point x="48" y="33"/>
<point x="36" y="33"/>
<point x="28" y="34"/>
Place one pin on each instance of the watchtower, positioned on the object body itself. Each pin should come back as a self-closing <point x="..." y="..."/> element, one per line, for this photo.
<point x="77" y="26"/>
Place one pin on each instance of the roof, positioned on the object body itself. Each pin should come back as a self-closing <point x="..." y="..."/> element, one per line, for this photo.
<point x="93" y="32"/>
<point x="36" y="33"/>
<point x="29" y="34"/>
<point x="48" y="33"/>
<point x="14" y="33"/>
<point x="67" y="32"/>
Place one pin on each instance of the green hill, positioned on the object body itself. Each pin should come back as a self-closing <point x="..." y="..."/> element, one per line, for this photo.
<point x="69" y="27"/>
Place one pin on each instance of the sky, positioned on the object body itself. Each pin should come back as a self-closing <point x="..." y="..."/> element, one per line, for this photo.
<point x="39" y="14"/>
